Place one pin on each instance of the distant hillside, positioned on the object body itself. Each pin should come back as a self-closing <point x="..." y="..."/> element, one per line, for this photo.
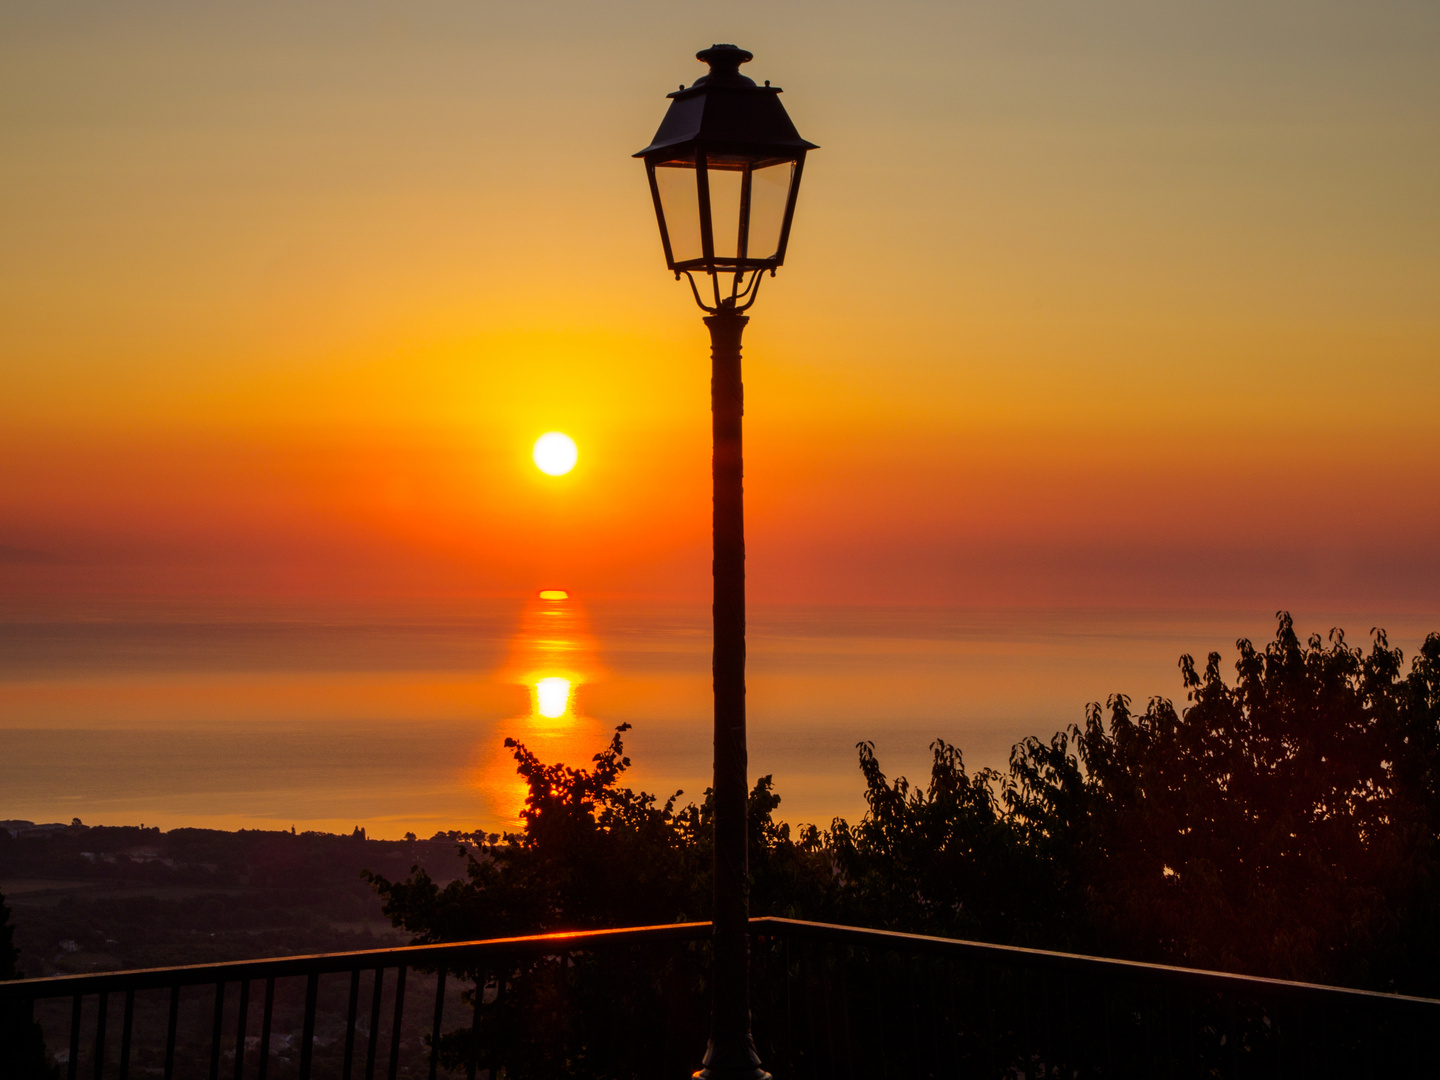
<point x="89" y="898"/>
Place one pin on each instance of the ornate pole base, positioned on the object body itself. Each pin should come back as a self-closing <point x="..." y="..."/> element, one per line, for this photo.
<point x="738" y="1068"/>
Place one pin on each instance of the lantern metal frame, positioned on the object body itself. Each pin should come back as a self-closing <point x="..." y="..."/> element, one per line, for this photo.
<point x="725" y="115"/>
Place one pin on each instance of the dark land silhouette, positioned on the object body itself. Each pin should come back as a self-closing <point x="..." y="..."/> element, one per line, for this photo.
<point x="100" y="898"/>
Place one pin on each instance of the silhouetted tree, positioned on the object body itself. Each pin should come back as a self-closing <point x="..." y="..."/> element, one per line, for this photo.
<point x="942" y="860"/>
<point x="1283" y="826"/>
<point x="9" y="954"/>
<point x="594" y="854"/>
<point x="22" y="1045"/>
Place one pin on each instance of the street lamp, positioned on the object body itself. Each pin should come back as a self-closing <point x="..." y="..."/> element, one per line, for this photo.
<point x="724" y="170"/>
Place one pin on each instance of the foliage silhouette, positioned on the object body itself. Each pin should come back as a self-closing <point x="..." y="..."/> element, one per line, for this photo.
<point x="594" y="854"/>
<point x="9" y="954"/>
<point x="22" y="1046"/>
<point x="1284" y="826"/>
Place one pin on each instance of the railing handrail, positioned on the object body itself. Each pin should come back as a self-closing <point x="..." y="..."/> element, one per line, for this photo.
<point x="570" y="941"/>
<point x="1046" y="958"/>
<point x="325" y="963"/>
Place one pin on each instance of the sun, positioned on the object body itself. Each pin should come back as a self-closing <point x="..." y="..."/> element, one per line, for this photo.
<point x="555" y="453"/>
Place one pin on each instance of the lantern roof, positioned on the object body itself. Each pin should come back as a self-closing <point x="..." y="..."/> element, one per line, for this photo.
<point x="725" y="111"/>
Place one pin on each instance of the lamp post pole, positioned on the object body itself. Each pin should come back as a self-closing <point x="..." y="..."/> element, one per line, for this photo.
<point x="724" y="169"/>
<point x="731" y="1052"/>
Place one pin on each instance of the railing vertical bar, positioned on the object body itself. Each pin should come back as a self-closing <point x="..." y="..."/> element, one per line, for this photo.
<point x="1034" y="1027"/>
<point x="1372" y="1020"/>
<point x="820" y="1007"/>
<point x="948" y="1049"/>
<point x="1037" y="1027"/>
<point x="1050" y="1025"/>
<point x="1337" y="1024"/>
<point x="987" y="981"/>
<point x="1107" y="1011"/>
<point x="1050" y="1041"/>
<point x="127" y="1025"/>
<point x="502" y="978"/>
<point x="473" y="1058"/>
<point x="565" y="965"/>
<point x="877" y="957"/>
<point x="171" y="1025"/>
<point x="789" y="1028"/>
<point x="266" y="1016"/>
<point x="1177" y="1010"/>
<point x="1175" y="1069"/>
<point x="806" y="971"/>
<point x="307" y="1039"/>
<point x="241" y="1022"/>
<point x="1192" y="1054"/>
<point x="1151" y="1034"/>
<point x="1276" y="1061"/>
<point x="1067" y="1026"/>
<point x="937" y="1020"/>
<point x="1162" y="1038"/>
<point x="374" y="1041"/>
<point x="1137" y="1037"/>
<point x="1414" y="1047"/>
<point x="1163" y="1005"/>
<point x="1306" y="1051"/>
<point x="762" y="978"/>
<point x="1231" y="1036"/>
<point x="439" y="1018"/>
<point x="1064" y="1014"/>
<point x="72" y="1067"/>
<point x="350" y="1013"/>
<point x="948" y="974"/>
<point x="101" y="1008"/>
<point x="1415" y="1030"/>
<point x="394" y="1071"/>
<point x="217" y="1030"/>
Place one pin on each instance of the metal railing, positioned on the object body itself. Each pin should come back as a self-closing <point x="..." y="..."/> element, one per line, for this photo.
<point x="829" y="1001"/>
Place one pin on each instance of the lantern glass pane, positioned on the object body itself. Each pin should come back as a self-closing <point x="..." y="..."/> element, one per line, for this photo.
<point x="680" y="203"/>
<point x="769" y="192"/>
<point x="725" y="183"/>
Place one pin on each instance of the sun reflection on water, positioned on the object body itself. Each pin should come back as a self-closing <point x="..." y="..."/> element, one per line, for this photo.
<point x="552" y="696"/>
<point x="552" y="656"/>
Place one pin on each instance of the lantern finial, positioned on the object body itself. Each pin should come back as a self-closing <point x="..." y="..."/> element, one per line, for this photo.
<point x="724" y="61"/>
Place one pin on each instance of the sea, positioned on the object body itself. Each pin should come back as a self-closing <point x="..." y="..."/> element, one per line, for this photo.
<point x="329" y="718"/>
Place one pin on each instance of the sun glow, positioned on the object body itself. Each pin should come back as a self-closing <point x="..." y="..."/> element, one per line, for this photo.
<point x="552" y="697"/>
<point x="555" y="453"/>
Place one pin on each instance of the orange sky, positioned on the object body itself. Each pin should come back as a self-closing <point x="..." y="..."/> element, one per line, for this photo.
<point x="1116" y="306"/>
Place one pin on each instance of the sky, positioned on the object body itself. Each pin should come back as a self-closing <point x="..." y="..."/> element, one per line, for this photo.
<point x="1109" y="304"/>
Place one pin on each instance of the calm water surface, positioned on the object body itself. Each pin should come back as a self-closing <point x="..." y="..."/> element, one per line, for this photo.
<point x="397" y="723"/>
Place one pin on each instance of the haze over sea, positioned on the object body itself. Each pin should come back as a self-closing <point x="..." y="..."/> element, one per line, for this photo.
<point x="332" y="719"/>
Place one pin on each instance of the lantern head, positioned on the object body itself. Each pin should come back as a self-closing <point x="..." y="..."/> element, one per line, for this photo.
<point x="724" y="172"/>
